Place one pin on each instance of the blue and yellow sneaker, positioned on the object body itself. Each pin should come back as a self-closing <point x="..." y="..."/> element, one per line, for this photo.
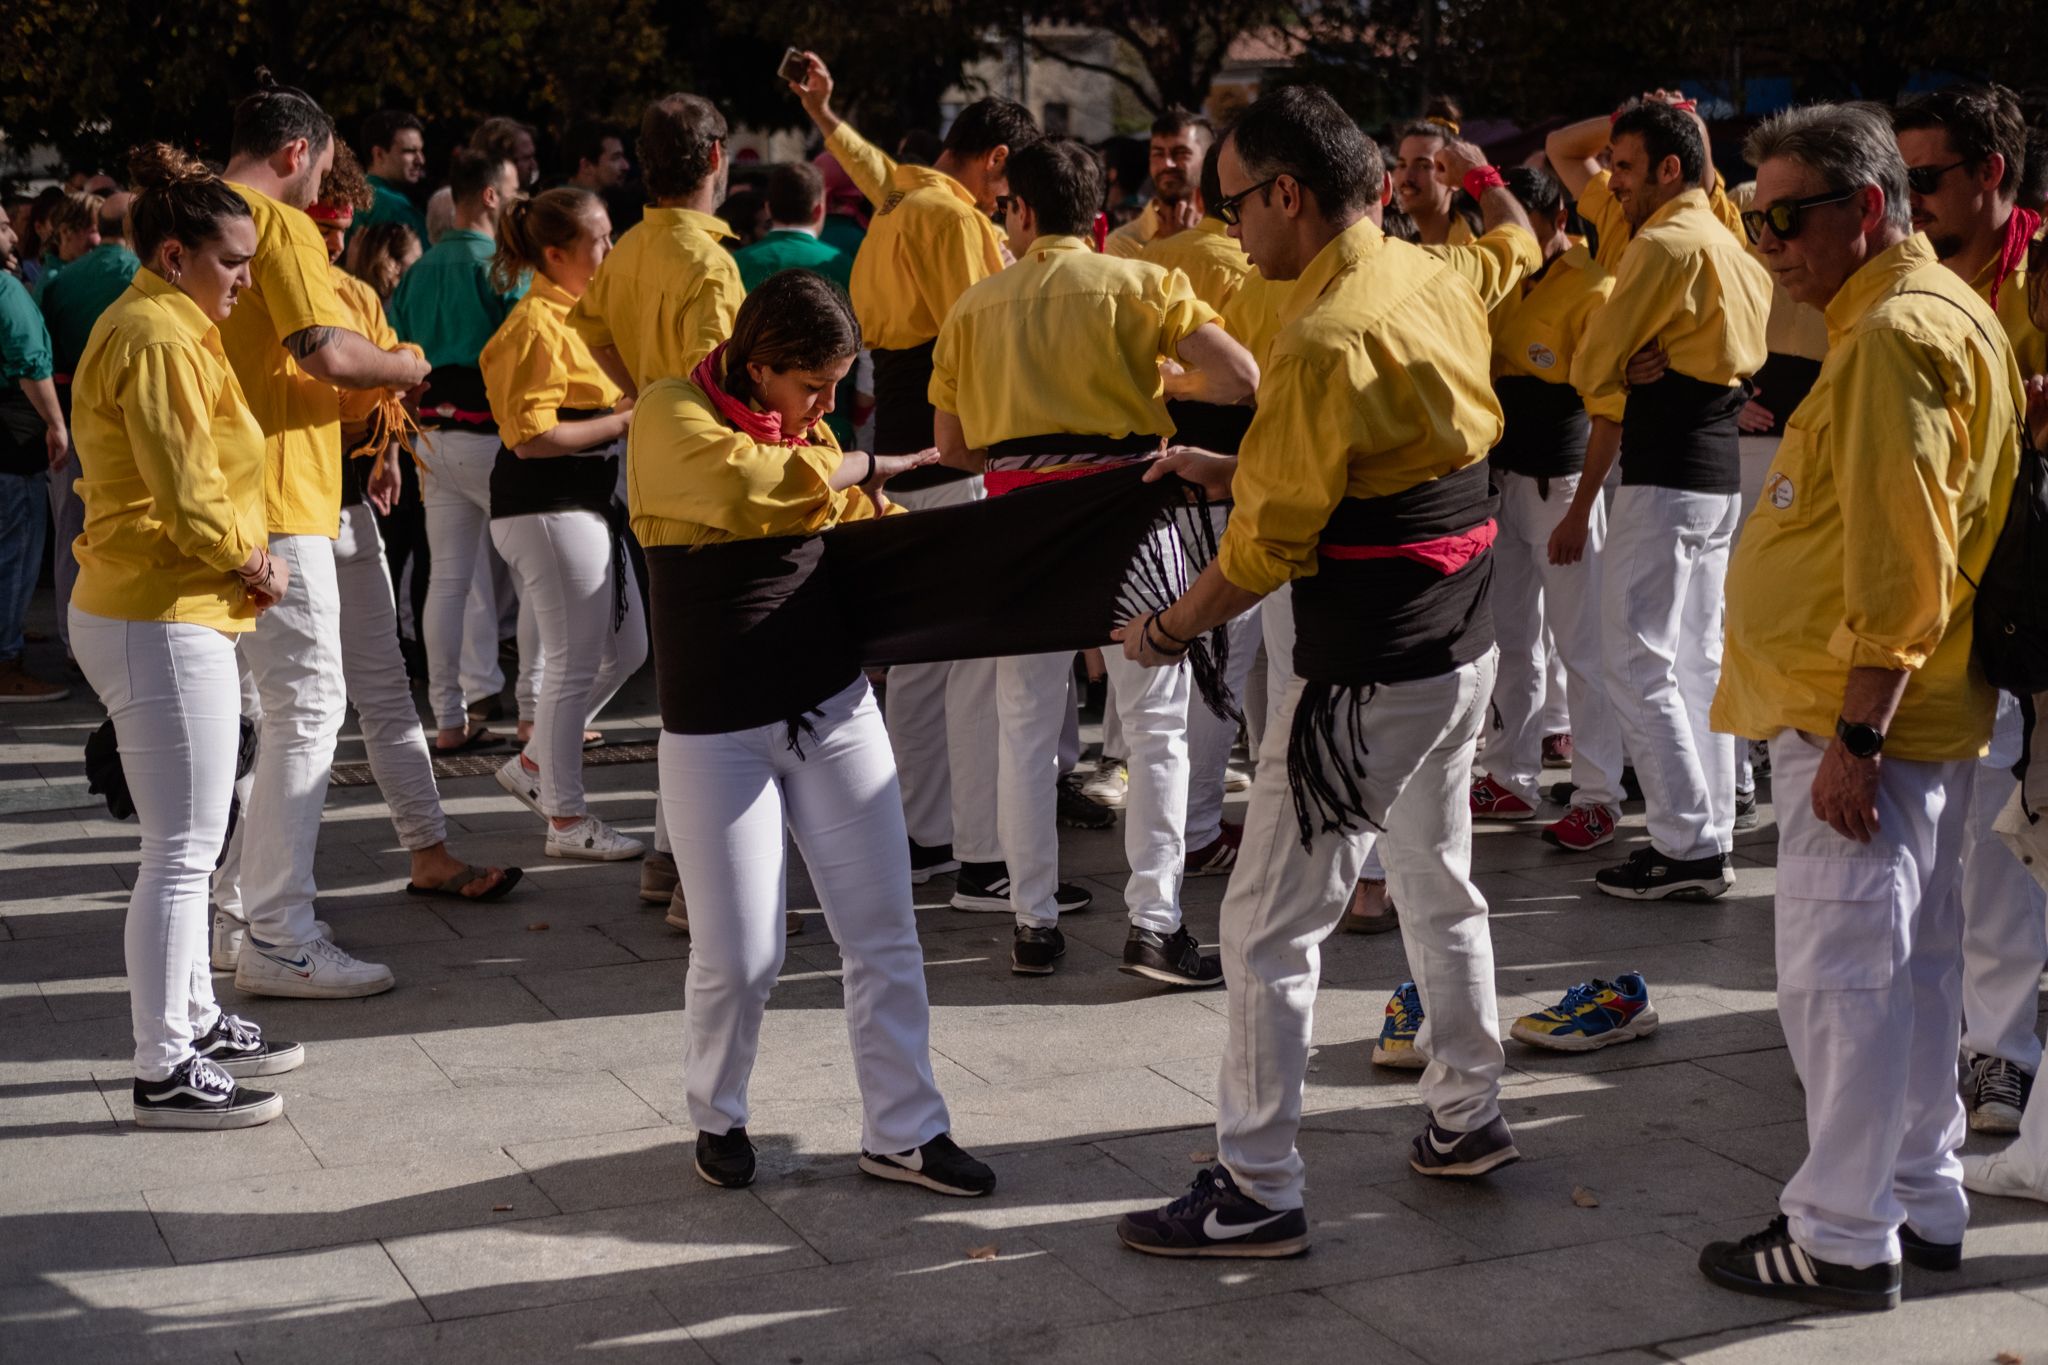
<point x="1592" y="1015"/>
<point x="1396" y="1047"/>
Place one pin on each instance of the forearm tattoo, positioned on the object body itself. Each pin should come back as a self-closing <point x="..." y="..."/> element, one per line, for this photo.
<point x="307" y="340"/>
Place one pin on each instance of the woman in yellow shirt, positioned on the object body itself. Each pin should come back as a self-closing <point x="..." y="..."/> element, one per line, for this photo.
<point x="767" y="723"/>
<point x="172" y="566"/>
<point x="554" y="514"/>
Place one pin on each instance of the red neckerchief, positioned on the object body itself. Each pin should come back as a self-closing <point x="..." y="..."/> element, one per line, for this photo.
<point x="765" y="427"/>
<point x="2019" y="230"/>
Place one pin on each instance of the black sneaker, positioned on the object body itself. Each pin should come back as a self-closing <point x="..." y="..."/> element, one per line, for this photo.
<point x="930" y="860"/>
<point x="1070" y="899"/>
<point x="1439" y="1151"/>
<point x="1747" y="816"/>
<point x="1927" y="1255"/>
<point x="239" y="1048"/>
<point x="1650" y="876"/>
<point x="938" y="1165"/>
<point x="986" y="886"/>
<point x="1995" y="1092"/>
<point x="1771" y="1265"/>
<point x="726" y="1159"/>
<point x="1215" y="1218"/>
<point x="201" y="1095"/>
<point x="1174" y="958"/>
<point x="1035" y="951"/>
<point x="1078" y="812"/>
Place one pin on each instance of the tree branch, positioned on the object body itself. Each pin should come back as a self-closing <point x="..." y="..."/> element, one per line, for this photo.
<point x="1146" y="97"/>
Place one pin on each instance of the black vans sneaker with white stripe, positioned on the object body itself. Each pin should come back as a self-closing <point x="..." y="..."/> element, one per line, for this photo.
<point x="1215" y="1218"/>
<point x="239" y="1048"/>
<point x="1771" y="1265"/>
<point x="201" y="1095"/>
<point x="986" y="886"/>
<point x="939" y="1165"/>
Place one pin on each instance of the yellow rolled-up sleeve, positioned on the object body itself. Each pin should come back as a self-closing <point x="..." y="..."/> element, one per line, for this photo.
<point x="868" y="166"/>
<point x="168" y="415"/>
<point x="943" y="390"/>
<point x="1181" y="313"/>
<point x="1494" y="263"/>
<point x="1892" y="445"/>
<point x="1647" y="288"/>
<point x="1289" y="477"/>
<point x="526" y="381"/>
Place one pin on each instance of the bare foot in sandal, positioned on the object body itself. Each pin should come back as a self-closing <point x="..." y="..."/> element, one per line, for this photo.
<point x="464" y="739"/>
<point x="435" y="871"/>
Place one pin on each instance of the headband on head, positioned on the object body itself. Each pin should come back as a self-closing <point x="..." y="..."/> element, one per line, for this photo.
<point x="331" y="215"/>
<point x="1448" y="125"/>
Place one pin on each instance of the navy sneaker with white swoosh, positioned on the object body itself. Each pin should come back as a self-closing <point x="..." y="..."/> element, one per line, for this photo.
<point x="1215" y="1218"/>
<point x="941" y="1165"/>
<point x="1440" y="1151"/>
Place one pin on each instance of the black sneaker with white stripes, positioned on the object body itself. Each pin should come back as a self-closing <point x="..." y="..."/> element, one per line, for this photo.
<point x="986" y="886"/>
<point x="1439" y="1151"/>
<point x="1771" y="1265"/>
<point x="201" y="1095"/>
<point x="239" y="1048"/>
<point x="930" y="860"/>
<point x="1215" y="1218"/>
<point x="939" y="1165"/>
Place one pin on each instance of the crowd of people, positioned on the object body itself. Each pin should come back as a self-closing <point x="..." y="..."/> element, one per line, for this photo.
<point x="1463" y="492"/>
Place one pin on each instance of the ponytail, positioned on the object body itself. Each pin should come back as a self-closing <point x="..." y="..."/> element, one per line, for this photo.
<point x="179" y="198"/>
<point x="529" y="226"/>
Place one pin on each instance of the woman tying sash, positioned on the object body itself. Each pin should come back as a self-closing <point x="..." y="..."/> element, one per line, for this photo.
<point x="768" y="722"/>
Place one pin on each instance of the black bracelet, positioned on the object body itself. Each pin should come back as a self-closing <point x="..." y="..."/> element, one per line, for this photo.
<point x="1153" y="645"/>
<point x="1159" y="620"/>
<point x="869" y="476"/>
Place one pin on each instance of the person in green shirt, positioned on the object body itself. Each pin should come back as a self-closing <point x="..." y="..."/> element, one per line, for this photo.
<point x="796" y="211"/>
<point x="395" y="151"/>
<point x="33" y="436"/>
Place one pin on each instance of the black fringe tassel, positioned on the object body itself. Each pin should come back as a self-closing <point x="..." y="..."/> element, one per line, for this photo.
<point x="1158" y="578"/>
<point x="1324" y="774"/>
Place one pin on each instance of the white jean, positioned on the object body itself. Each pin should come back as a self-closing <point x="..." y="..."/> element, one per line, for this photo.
<point x="455" y="495"/>
<point x="1276" y="624"/>
<point x="1032" y="698"/>
<point x="726" y="800"/>
<point x="494" y="608"/>
<point x="567" y="568"/>
<point x="1661" y="603"/>
<point x="1418" y="739"/>
<point x="172" y="693"/>
<point x="295" y="693"/>
<point x="374" y="672"/>
<point x="1211" y="737"/>
<point x="2005" y="914"/>
<point x="1556" y="718"/>
<point x="1534" y="599"/>
<point x="67" y="521"/>
<point x="942" y="728"/>
<point x="1869" y="993"/>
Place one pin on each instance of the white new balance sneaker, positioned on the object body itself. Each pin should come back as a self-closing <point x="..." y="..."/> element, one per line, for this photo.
<point x="592" y="840"/>
<point x="227" y="939"/>
<point x="521" y="783"/>
<point x="2004" y="1173"/>
<point x="316" y="970"/>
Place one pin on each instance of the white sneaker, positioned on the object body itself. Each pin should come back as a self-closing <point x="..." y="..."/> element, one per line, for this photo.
<point x="2003" y="1173"/>
<point x="1236" y="779"/>
<point x="515" y="778"/>
<point x="592" y="839"/>
<point x="1109" y="785"/>
<point x="313" y="971"/>
<point x="227" y="939"/>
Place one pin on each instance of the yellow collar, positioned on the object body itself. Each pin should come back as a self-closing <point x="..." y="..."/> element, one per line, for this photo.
<point x="709" y="224"/>
<point x="174" y="301"/>
<point x="1362" y="240"/>
<point x="910" y="178"/>
<point x="1686" y="201"/>
<point x="1873" y="280"/>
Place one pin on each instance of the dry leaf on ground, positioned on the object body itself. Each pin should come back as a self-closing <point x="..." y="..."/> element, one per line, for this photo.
<point x="987" y="1253"/>
<point x="1584" y="1197"/>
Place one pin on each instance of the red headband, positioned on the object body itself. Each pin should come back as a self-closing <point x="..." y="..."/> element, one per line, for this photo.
<point x="327" y="213"/>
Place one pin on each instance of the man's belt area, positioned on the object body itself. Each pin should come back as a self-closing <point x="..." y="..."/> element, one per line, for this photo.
<point x="455" y="399"/>
<point x="1544" y="434"/>
<point x="1680" y="432"/>
<point x="903" y="414"/>
<point x="1053" y="458"/>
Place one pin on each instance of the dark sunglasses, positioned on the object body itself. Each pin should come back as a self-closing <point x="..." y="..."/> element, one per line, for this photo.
<point x="1927" y="179"/>
<point x="1783" y="217"/>
<point x="1226" y="209"/>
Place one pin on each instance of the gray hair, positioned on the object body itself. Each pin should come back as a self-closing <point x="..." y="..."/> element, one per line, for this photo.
<point x="1847" y="145"/>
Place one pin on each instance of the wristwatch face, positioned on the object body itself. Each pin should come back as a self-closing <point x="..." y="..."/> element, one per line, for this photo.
<point x="1864" y="741"/>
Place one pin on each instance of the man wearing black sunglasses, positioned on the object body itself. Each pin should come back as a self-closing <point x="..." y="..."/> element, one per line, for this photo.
<point x="1849" y="638"/>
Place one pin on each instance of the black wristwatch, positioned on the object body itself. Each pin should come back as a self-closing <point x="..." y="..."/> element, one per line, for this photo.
<point x="1862" y="741"/>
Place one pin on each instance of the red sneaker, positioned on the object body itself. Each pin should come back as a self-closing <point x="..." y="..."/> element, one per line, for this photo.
<point x="1218" y="856"/>
<point x="1492" y="801"/>
<point x="1557" y="751"/>
<point x="1583" y="827"/>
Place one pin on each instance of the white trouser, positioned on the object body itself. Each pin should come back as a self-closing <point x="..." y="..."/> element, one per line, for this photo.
<point x="1660" y="621"/>
<point x="1113" y="745"/>
<point x="1533" y="598"/>
<point x="493" y="608"/>
<point x="295" y="687"/>
<point x="567" y="567"/>
<point x="1869" y="993"/>
<point x="171" y="691"/>
<point x="1211" y="737"/>
<point x="1417" y="740"/>
<point x="1070" y="724"/>
<point x="726" y="800"/>
<point x="67" y="518"/>
<point x="942" y="727"/>
<point x="455" y="495"/>
<point x="1276" y="623"/>
<point x="1556" y="718"/>
<point x="2005" y="915"/>
<point x="1031" y="703"/>
<point x="374" y="672"/>
<point x="1757" y="454"/>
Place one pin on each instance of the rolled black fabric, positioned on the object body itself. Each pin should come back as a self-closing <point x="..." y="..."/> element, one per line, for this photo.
<point x="903" y="414"/>
<point x="455" y="397"/>
<point x="564" y="483"/>
<point x="1782" y="385"/>
<point x="1026" y="451"/>
<point x="1211" y="426"/>
<point x="1680" y="432"/>
<point x="1544" y="436"/>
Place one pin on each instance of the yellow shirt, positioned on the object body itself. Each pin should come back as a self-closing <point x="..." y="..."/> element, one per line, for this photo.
<point x="866" y="165"/>
<point x="1377" y="383"/>
<point x="665" y="297"/>
<point x="291" y="289"/>
<point x="1065" y="340"/>
<point x="1598" y="206"/>
<point x="1685" y="283"/>
<point x="1537" y="328"/>
<point x="535" y="363"/>
<point x="366" y="315"/>
<point x="1879" y="512"/>
<point x="691" y="479"/>
<point x="927" y="243"/>
<point x="1252" y="317"/>
<point x="2029" y="343"/>
<point x="173" y="461"/>
<point x="1494" y="264"/>
<point x="1213" y="262"/>
<point x="1130" y="240"/>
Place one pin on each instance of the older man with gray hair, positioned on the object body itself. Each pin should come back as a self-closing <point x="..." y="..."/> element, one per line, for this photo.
<point x="1849" y="639"/>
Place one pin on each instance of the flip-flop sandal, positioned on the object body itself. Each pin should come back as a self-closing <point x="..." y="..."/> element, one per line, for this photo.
<point x="473" y="741"/>
<point x="594" y="740"/>
<point x="452" y="888"/>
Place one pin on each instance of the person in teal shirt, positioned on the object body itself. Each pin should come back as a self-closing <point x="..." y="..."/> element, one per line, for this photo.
<point x="796" y="210"/>
<point x="395" y="152"/>
<point x="446" y="304"/>
<point x="33" y="436"/>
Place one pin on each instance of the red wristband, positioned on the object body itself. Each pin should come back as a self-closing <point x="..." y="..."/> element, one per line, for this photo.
<point x="1480" y="179"/>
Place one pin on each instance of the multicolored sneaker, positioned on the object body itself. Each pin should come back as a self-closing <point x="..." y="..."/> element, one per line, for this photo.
<point x="1583" y="827"/>
<point x="1592" y="1015"/>
<point x="1492" y="801"/>
<point x="1396" y="1046"/>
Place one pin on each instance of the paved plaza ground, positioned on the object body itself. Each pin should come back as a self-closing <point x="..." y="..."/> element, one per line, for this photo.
<point x="490" y="1163"/>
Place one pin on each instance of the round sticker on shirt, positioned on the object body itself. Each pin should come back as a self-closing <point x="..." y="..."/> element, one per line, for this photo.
<point x="1541" y="356"/>
<point x="1779" y="492"/>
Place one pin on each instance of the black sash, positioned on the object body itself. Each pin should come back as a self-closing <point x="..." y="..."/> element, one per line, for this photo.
<point x="1680" y="433"/>
<point x="1210" y="426"/>
<point x="903" y="414"/>
<point x="564" y="483"/>
<point x="455" y="397"/>
<point x="22" y="448"/>
<point x="1782" y="385"/>
<point x="1544" y="435"/>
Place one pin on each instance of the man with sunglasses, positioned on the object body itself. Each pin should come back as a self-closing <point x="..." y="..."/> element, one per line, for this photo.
<point x="1686" y="292"/>
<point x="1849" y="641"/>
<point x="1964" y="147"/>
